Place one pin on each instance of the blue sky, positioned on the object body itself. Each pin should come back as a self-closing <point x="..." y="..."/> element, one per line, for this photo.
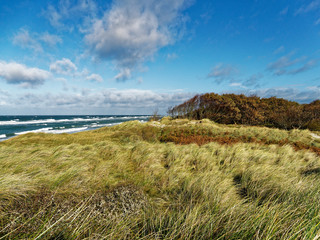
<point x="135" y="56"/>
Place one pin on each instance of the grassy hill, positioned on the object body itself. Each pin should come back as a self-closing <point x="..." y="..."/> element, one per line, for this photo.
<point x="174" y="179"/>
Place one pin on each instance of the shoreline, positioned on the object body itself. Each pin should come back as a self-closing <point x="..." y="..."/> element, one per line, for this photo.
<point x="12" y="126"/>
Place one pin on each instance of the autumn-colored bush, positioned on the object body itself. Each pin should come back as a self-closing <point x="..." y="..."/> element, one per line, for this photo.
<point x="240" y="109"/>
<point x="314" y="125"/>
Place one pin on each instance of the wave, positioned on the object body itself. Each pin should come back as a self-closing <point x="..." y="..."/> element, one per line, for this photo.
<point x="69" y="130"/>
<point x="14" y="122"/>
<point x="54" y="131"/>
<point x="133" y="117"/>
<point x="3" y="136"/>
<point x="51" y="120"/>
<point x="34" y="131"/>
<point x="66" y="130"/>
<point x="95" y="125"/>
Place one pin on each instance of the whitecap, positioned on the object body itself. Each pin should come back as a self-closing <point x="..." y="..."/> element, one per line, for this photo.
<point x="68" y="130"/>
<point x="55" y="131"/>
<point x="51" y="120"/>
<point x="44" y="130"/>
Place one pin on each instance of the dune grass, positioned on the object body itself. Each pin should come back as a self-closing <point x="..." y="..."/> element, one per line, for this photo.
<point x="148" y="181"/>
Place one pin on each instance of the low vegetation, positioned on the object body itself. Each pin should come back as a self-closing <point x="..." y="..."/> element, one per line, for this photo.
<point x="173" y="179"/>
<point x="240" y="109"/>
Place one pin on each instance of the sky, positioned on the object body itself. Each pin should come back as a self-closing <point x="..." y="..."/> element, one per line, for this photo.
<point x="141" y="56"/>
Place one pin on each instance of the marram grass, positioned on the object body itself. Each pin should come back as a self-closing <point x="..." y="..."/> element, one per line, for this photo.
<point x="130" y="182"/>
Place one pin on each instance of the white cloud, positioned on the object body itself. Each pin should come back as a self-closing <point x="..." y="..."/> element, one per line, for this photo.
<point x="268" y="40"/>
<point x="313" y="5"/>
<point x="253" y="80"/>
<point x="222" y="72"/>
<point x="64" y="67"/>
<point x="132" y="31"/>
<point x="236" y="84"/>
<point x="25" y="40"/>
<point x="284" y="11"/>
<point x="287" y="65"/>
<point x="4" y="98"/>
<point x="53" y="16"/>
<point x="279" y="50"/>
<point x="279" y="65"/>
<point x="303" y="96"/>
<point x="140" y="80"/>
<point x="50" y="39"/>
<point x="83" y="74"/>
<point x="120" y="101"/>
<point x="66" y="14"/>
<point x="123" y="75"/>
<point x="171" y="56"/>
<point x="16" y="73"/>
<point x="94" y="77"/>
<point x="305" y="67"/>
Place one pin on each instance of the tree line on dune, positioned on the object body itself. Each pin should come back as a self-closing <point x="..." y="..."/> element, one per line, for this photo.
<point x="252" y="110"/>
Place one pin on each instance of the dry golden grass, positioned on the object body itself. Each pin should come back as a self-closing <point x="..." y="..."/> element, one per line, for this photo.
<point x="122" y="182"/>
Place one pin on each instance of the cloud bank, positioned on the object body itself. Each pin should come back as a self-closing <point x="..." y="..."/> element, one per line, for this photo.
<point x="105" y="101"/>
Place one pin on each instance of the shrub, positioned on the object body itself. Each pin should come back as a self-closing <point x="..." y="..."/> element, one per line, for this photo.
<point x="314" y="125"/>
<point x="240" y="109"/>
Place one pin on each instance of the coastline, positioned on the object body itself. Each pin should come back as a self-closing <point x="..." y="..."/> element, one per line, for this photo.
<point x="11" y="126"/>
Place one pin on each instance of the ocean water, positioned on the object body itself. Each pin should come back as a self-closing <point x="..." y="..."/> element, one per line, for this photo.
<point x="11" y="126"/>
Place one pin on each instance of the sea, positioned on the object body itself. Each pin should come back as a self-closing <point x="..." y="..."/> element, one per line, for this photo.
<point x="11" y="126"/>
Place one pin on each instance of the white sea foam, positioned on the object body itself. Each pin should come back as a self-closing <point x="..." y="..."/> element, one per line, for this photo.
<point x="51" y="120"/>
<point x="15" y="122"/>
<point x="3" y="136"/>
<point x="55" y="131"/>
<point x="69" y="130"/>
<point x="106" y="125"/>
<point x="133" y="117"/>
<point x="35" y="131"/>
<point x="96" y="125"/>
